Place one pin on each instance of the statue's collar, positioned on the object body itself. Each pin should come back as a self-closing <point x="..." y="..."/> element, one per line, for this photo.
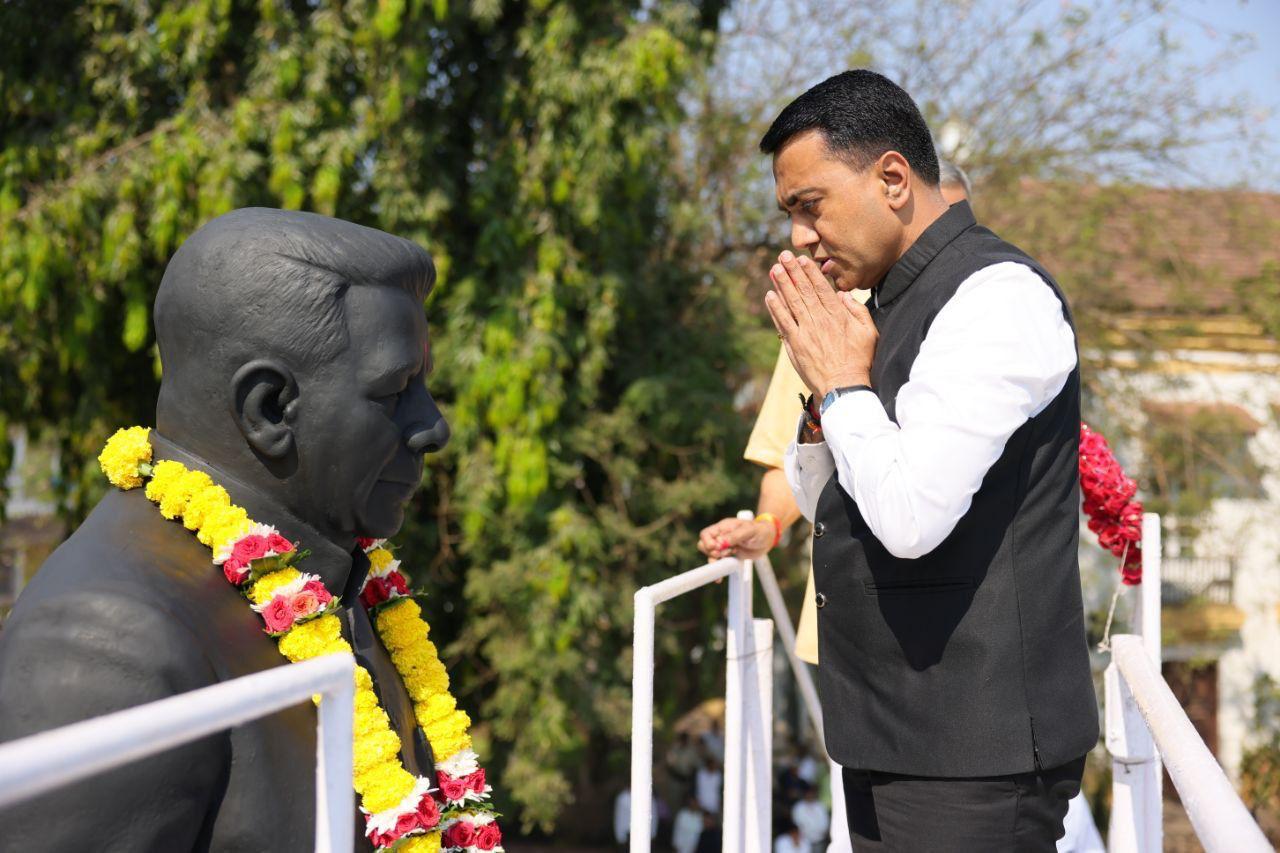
<point x="328" y="560"/>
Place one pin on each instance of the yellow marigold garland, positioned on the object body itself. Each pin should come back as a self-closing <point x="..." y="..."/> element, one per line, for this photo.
<point x="124" y="456"/>
<point x="404" y="811"/>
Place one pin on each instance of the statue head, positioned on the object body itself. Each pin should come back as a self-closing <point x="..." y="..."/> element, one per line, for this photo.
<point x="295" y="353"/>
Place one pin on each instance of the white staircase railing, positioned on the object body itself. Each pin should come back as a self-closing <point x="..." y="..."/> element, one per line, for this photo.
<point x="746" y="802"/>
<point x="1221" y="821"/>
<point x="1146" y="730"/>
<point x="43" y="762"/>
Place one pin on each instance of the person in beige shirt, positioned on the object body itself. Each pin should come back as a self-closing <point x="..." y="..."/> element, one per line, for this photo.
<point x="776" y="508"/>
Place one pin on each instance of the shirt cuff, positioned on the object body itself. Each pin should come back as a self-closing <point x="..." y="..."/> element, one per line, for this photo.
<point x="851" y="421"/>
<point x="808" y="467"/>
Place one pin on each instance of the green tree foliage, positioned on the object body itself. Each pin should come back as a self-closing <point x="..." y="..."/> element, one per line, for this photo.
<point x="582" y="346"/>
<point x="1260" y="764"/>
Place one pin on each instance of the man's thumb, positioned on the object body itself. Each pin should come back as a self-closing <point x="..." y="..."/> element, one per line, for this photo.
<point x="854" y="306"/>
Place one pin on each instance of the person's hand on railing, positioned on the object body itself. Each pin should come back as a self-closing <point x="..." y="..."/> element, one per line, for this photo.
<point x="745" y="539"/>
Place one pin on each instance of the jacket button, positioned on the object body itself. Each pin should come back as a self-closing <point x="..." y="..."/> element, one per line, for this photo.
<point x="820" y="600"/>
<point x="818" y="530"/>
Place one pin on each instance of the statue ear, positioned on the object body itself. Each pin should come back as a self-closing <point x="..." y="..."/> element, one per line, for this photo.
<point x="264" y="393"/>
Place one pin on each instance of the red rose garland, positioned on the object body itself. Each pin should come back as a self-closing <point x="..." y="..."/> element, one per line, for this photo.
<point x="1114" y="515"/>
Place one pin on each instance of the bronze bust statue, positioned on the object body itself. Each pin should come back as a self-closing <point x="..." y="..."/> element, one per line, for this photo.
<point x="294" y="351"/>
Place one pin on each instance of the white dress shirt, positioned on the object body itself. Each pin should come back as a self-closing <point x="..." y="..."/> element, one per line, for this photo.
<point x="622" y="817"/>
<point x="707" y="786"/>
<point x="813" y="819"/>
<point x="998" y="352"/>
<point x="687" y="830"/>
<point x="786" y="844"/>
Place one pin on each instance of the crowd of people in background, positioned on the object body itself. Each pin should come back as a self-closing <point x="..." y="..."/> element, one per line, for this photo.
<point x="693" y="776"/>
<point x="802" y="821"/>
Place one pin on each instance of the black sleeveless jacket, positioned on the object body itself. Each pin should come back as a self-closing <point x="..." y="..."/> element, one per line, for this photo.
<point x="970" y="660"/>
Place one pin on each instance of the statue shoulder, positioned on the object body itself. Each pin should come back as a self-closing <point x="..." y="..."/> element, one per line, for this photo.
<point x="77" y="654"/>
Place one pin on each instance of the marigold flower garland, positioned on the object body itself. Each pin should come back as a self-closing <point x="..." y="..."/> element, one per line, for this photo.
<point x="410" y="813"/>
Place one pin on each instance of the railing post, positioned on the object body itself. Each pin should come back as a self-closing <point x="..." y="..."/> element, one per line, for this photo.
<point x="335" y="798"/>
<point x="758" y="725"/>
<point x="737" y="657"/>
<point x="1137" y="781"/>
<point x="642" y="722"/>
<point x="787" y="632"/>
<point x="1135" y="795"/>
<point x="746" y="799"/>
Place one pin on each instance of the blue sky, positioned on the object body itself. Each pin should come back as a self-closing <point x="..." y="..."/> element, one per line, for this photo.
<point x="1202" y="29"/>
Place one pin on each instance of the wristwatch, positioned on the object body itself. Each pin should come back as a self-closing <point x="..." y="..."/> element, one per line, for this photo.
<point x="836" y="393"/>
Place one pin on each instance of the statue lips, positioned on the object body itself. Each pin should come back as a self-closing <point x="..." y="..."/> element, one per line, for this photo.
<point x="402" y="490"/>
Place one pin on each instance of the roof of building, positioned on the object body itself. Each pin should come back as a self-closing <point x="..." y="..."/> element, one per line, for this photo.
<point x="1148" y="250"/>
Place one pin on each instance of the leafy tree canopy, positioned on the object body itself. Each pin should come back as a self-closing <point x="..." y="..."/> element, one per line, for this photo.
<point x="581" y="348"/>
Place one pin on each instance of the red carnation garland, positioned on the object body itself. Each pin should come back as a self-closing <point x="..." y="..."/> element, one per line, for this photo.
<point x="1114" y="516"/>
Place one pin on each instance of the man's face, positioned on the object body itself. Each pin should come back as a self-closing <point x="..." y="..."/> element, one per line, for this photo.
<point x="839" y="216"/>
<point x="366" y="418"/>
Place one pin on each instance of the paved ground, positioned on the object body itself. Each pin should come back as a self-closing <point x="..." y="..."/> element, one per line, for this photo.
<point x="1179" y="837"/>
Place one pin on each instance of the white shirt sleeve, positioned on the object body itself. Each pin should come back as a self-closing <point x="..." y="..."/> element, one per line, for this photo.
<point x="998" y="352"/>
<point x="808" y="468"/>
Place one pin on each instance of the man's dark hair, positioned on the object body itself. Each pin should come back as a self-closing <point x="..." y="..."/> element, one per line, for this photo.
<point x="861" y="115"/>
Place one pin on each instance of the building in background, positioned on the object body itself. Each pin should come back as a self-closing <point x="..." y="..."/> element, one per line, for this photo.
<point x="1182" y="347"/>
<point x="30" y="529"/>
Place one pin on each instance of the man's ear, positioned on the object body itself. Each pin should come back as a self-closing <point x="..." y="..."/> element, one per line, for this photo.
<point x="895" y="177"/>
<point x="264" y="397"/>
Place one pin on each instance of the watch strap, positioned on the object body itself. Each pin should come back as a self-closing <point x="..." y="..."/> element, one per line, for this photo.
<point x="836" y="393"/>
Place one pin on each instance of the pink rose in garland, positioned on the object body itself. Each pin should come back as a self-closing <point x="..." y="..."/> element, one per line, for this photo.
<point x="428" y="812"/>
<point x="318" y="588"/>
<point x="249" y="548"/>
<point x="383" y="839"/>
<point x="376" y="590"/>
<point x="461" y="834"/>
<point x="450" y="788"/>
<point x="1114" y="516"/>
<point x="278" y="615"/>
<point x="235" y="571"/>
<point x="304" y="603"/>
<point x="407" y="822"/>
<point x="488" y="837"/>
<point x="475" y="782"/>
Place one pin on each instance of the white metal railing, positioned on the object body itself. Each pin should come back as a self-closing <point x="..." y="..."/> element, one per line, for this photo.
<point x="42" y="762"/>
<point x="1146" y="730"/>
<point x="746" y="801"/>
<point x="1137" y="778"/>
<point x="1221" y="821"/>
<point x="787" y="632"/>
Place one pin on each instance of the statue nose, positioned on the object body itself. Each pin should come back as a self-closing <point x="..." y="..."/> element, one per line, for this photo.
<point x="429" y="439"/>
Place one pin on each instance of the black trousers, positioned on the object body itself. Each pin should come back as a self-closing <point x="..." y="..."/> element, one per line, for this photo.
<point x="893" y="813"/>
